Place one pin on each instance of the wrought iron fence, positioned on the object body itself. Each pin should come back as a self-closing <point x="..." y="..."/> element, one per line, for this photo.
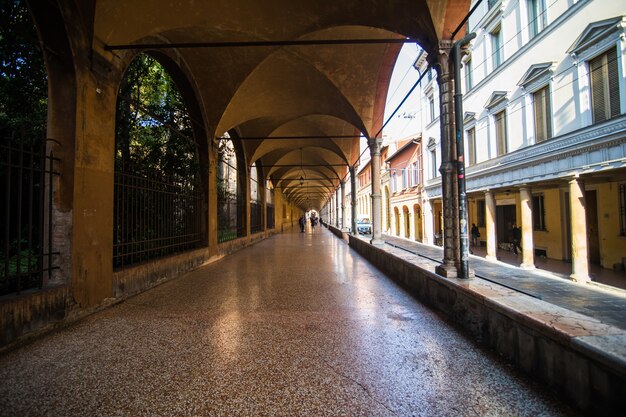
<point x="26" y="184"/>
<point x="154" y="218"/>
<point x="229" y="225"/>
<point x="256" y="217"/>
<point x="270" y="217"/>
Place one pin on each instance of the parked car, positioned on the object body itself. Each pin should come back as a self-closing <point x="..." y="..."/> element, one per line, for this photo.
<point x="363" y="226"/>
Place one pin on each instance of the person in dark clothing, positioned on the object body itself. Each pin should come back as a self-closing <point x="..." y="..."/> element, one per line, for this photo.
<point x="516" y="233"/>
<point x="475" y="234"/>
<point x="302" y="222"/>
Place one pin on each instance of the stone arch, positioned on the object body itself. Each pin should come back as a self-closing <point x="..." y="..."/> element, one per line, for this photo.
<point x="160" y="192"/>
<point x="406" y="224"/>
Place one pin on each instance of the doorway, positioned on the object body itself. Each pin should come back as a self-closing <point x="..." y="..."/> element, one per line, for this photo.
<point x="505" y="219"/>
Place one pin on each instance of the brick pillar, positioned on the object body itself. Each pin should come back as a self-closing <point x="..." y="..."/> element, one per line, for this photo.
<point x="528" y="258"/>
<point x="377" y="211"/>
<point x="450" y="264"/>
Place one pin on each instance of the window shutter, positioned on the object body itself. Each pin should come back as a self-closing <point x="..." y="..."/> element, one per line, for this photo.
<point x="613" y="84"/>
<point x="501" y="133"/>
<point x="598" y="102"/>
<point x="543" y="122"/>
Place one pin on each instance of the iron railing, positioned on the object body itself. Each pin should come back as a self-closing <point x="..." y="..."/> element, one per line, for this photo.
<point x="256" y="217"/>
<point x="270" y="217"/>
<point x="27" y="259"/>
<point x="154" y="218"/>
<point x="230" y="225"/>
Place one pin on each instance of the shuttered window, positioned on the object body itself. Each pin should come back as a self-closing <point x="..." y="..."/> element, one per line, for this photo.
<point x="539" y="213"/>
<point x="543" y="115"/>
<point x="471" y="144"/>
<point x="501" y="140"/>
<point x="497" y="52"/>
<point x="604" y="86"/>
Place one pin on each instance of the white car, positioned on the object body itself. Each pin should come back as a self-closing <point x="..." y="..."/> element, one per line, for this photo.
<point x="363" y="226"/>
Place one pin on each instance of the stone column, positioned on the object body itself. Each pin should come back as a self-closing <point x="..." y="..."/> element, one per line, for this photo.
<point x="580" y="254"/>
<point x="450" y="265"/>
<point x="337" y="204"/>
<point x="490" y="225"/>
<point x="427" y="216"/>
<point x="377" y="210"/>
<point x="343" y="205"/>
<point x="353" y="199"/>
<point x="526" y="200"/>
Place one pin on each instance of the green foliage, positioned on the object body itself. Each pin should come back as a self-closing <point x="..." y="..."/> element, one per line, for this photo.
<point x="23" y="80"/>
<point x="154" y="134"/>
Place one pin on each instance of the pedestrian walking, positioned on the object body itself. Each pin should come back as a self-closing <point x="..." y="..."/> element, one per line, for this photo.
<point x="475" y="234"/>
<point x="516" y="233"/>
<point x="302" y="222"/>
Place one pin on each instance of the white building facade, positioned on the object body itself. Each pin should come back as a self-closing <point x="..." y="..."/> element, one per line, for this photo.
<point x="544" y="106"/>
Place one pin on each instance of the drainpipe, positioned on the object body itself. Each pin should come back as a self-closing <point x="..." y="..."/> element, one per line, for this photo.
<point x="457" y="53"/>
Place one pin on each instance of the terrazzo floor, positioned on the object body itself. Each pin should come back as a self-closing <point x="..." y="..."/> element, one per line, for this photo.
<point x="296" y="325"/>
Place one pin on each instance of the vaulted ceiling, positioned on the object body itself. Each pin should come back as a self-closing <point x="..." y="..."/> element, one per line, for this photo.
<point x="311" y="84"/>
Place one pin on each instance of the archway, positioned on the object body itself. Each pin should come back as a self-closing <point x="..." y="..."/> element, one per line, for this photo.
<point x="407" y="222"/>
<point x="417" y="220"/>
<point x="396" y="214"/>
<point x="158" y="196"/>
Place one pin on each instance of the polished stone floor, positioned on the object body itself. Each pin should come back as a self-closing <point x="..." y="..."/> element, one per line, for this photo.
<point x="296" y="325"/>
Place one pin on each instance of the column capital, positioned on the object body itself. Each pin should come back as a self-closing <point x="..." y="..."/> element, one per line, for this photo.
<point x="374" y="145"/>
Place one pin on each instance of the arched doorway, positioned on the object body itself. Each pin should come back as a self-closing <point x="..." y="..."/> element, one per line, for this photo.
<point x="417" y="220"/>
<point x="407" y="222"/>
<point x="396" y="214"/>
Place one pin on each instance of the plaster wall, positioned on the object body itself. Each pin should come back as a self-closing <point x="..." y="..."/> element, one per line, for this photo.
<point x="612" y="245"/>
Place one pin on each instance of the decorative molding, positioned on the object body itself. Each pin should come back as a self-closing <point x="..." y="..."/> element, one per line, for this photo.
<point x="557" y="158"/>
<point x="603" y="31"/>
<point x="496" y="98"/>
<point x="537" y="74"/>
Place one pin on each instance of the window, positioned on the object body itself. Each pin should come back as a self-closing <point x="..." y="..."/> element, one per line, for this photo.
<point x="433" y="163"/>
<point x="431" y="107"/>
<point x="418" y="172"/>
<point x="480" y="213"/>
<point x="543" y="115"/>
<point x="468" y="75"/>
<point x="414" y="175"/>
<point x="471" y="146"/>
<point x="405" y="178"/>
<point x="394" y="182"/>
<point x="501" y="140"/>
<point x="497" y="52"/>
<point x="539" y="218"/>
<point x="491" y="3"/>
<point x="537" y="16"/>
<point x="604" y="86"/>
<point x="622" y="209"/>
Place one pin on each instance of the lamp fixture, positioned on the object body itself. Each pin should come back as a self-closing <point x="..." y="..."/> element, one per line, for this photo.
<point x="301" y="169"/>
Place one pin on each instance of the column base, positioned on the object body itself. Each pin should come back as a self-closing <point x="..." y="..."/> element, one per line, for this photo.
<point x="580" y="279"/>
<point x="447" y="270"/>
<point x="527" y="267"/>
<point x="491" y="258"/>
<point x="377" y="242"/>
